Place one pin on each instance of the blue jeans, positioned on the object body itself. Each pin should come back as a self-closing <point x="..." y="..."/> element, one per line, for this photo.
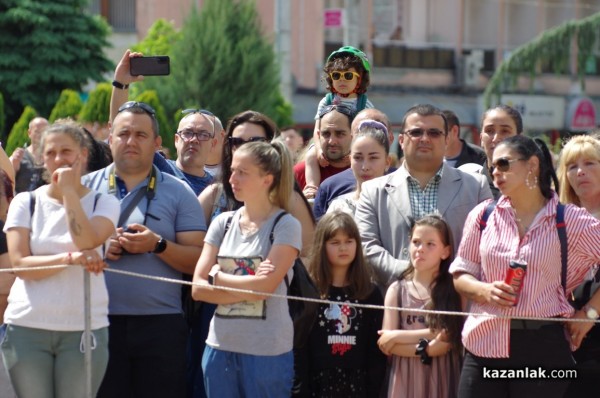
<point x="195" y="349"/>
<point x="229" y="374"/>
<point x="45" y="363"/>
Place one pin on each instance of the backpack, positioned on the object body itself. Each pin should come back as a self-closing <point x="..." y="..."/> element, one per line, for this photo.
<point x="361" y="101"/>
<point x="303" y="313"/>
<point x="561" y="228"/>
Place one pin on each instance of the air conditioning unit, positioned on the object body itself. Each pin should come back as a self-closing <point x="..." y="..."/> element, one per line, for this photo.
<point x="473" y="63"/>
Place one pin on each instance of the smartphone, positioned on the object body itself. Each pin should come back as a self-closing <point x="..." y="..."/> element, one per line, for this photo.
<point x="159" y="65"/>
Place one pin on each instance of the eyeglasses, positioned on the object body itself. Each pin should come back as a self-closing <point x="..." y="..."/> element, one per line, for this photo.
<point x="188" y="135"/>
<point x="346" y="110"/>
<point x="235" y="142"/>
<point x="337" y="75"/>
<point x="204" y="113"/>
<point x="503" y="164"/>
<point x="418" y="133"/>
<point x="139" y="105"/>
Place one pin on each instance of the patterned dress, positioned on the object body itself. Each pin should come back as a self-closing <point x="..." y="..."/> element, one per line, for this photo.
<point x="409" y="377"/>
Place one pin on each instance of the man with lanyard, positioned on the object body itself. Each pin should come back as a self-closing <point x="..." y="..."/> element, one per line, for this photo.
<point x="423" y="184"/>
<point x="160" y="233"/>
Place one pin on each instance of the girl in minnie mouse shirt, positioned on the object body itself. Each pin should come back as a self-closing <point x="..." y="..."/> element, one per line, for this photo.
<point x="343" y="357"/>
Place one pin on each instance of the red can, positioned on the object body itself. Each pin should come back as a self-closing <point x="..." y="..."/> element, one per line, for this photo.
<point x="514" y="276"/>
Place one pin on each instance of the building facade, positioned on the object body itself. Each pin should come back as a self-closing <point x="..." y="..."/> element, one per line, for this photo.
<point x="437" y="51"/>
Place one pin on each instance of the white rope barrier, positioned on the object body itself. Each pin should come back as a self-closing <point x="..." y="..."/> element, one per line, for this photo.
<point x="322" y="301"/>
<point x="319" y="301"/>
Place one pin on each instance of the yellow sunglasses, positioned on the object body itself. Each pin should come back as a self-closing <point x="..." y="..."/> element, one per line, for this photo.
<point x="337" y="75"/>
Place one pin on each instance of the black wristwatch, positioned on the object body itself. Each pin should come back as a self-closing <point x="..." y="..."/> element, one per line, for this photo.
<point x="161" y="246"/>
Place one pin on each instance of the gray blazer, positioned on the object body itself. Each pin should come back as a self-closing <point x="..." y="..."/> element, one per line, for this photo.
<point x="384" y="216"/>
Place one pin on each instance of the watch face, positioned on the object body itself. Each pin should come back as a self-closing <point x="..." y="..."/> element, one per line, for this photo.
<point x="592" y="313"/>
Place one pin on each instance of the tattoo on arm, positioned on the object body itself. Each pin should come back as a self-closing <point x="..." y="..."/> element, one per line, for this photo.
<point x="73" y="225"/>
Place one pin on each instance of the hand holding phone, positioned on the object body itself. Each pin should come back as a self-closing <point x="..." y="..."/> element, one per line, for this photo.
<point x="159" y="65"/>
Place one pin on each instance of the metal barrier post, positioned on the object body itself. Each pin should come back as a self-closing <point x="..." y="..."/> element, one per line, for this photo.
<point x="87" y="333"/>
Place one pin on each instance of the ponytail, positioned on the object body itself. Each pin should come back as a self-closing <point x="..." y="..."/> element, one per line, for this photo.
<point x="281" y="192"/>
<point x="547" y="172"/>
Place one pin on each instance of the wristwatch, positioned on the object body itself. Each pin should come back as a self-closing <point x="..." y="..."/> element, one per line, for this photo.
<point x="161" y="246"/>
<point x="212" y="276"/>
<point x="591" y="312"/>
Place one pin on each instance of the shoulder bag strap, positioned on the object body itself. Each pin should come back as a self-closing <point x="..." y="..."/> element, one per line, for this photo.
<point x="561" y="228"/>
<point x="130" y="206"/>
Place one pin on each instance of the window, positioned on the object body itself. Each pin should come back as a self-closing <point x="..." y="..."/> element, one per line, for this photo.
<point x="120" y="14"/>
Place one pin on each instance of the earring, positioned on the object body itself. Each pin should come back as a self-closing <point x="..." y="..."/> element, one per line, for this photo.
<point x="530" y="185"/>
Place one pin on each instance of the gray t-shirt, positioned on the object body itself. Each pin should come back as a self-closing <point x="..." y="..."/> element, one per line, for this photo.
<point x="273" y="334"/>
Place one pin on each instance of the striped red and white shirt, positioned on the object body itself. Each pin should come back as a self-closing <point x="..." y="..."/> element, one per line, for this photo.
<point x="486" y="256"/>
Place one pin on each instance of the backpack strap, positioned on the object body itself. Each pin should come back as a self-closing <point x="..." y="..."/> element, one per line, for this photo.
<point x="31" y="202"/>
<point x="328" y="99"/>
<point x="272" y="238"/>
<point x="279" y="216"/>
<point x="561" y="228"/>
<point x="486" y="214"/>
<point x="228" y="223"/>
<point x="361" y="103"/>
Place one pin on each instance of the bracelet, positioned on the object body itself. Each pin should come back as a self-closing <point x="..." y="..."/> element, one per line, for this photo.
<point x="120" y="85"/>
<point x="69" y="259"/>
<point x="422" y="351"/>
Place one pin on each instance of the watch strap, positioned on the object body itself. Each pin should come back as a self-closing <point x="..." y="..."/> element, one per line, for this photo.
<point x="161" y="246"/>
<point x="120" y="85"/>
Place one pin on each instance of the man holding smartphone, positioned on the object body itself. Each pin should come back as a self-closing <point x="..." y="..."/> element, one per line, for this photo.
<point x="195" y="138"/>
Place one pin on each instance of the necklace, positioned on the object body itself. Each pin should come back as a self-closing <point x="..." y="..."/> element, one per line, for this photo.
<point x="249" y="227"/>
<point x="417" y="291"/>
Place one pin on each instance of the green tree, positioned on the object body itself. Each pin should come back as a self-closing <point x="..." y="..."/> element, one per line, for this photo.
<point x="97" y="107"/>
<point x="165" y="128"/>
<point x="69" y="104"/>
<point x="18" y="134"/>
<point x="224" y="63"/>
<point x="552" y="48"/>
<point x="2" y="117"/>
<point x="48" y="46"/>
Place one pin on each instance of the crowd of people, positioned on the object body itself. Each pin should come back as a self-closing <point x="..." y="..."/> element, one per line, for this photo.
<point x="443" y="229"/>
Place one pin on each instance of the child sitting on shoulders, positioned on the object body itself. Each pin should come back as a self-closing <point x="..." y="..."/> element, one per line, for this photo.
<point x="347" y="73"/>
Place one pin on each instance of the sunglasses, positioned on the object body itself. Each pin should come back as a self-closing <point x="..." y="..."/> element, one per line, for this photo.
<point x="503" y="164"/>
<point x="138" y="105"/>
<point x="188" y="135"/>
<point x="202" y="111"/>
<point x="235" y="142"/>
<point x="346" y="110"/>
<point x="418" y="133"/>
<point x="337" y="75"/>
